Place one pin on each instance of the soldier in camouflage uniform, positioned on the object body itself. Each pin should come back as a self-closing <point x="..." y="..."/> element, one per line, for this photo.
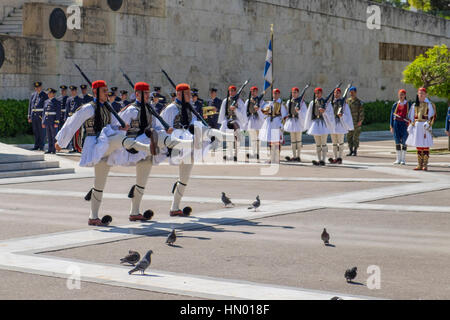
<point x="357" y="110"/>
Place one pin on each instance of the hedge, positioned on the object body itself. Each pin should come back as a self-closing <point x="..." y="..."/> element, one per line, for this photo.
<point x="13" y="115"/>
<point x="13" y="118"/>
<point x="380" y="111"/>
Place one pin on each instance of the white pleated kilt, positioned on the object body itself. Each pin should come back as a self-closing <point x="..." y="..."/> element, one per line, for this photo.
<point x="95" y="148"/>
<point x="418" y="136"/>
<point x="255" y="123"/>
<point x="185" y="155"/>
<point x="271" y="131"/>
<point x="339" y="128"/>
<point x="318" y="128"/>
<point x="122" y="157"/>
<point x="293" y="125"/>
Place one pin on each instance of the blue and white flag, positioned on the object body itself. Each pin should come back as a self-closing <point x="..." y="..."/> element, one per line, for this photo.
<point x="268" y="79"/>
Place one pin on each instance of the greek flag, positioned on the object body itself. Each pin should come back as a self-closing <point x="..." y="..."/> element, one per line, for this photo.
<point x="268" y="67"/>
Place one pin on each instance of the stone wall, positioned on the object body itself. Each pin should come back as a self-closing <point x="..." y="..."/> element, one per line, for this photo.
<point x="216" y="43"/>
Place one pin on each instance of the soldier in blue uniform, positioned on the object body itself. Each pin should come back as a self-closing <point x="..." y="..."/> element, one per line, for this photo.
<point x="35" y="109"/>
<point x="124" y="98"/>
<point x="162" y="99"/>
<point x="117" y="98"/>
<point x="86" y="97"/>
<point x="62" y="100"/>
<point x="198" y="103"/>
<point x="72" y="104"/>
<point x="214" y="101"/>
<point x="113" y="102"/>
<point x="156" y="102"/>
<point x="50" y="120"/>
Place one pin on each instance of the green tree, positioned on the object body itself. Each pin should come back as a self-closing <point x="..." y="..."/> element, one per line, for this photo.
<point x="431" y="71"/>
<point x="395" y="3"/>
<point x="436" y="7"/>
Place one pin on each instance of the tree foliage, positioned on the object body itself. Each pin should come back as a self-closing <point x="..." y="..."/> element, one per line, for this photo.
<point x="431" y="71"/>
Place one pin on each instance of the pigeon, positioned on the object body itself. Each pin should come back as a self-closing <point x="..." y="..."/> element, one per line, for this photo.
<point x="255" y="204"/>
<point x="350" y="274"/>
<point x="336" y="298"/>
<point x="226" y="201"/>
<point x="171" y="238"/>
<point x="143" y="264"/>
<point x="132" y="257"/>
<point x="325" y="237"/>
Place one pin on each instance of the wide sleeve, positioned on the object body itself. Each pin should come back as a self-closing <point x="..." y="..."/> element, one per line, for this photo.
<point x="284" y="111"/>
<point x="242" y="112"/>
<point x="308" y="119"/>
<point x="222" y="111"/>
<point x="328" y="116"/>
<point x="169" y="114"/>
<point x="412" y="113"/>
<point x="302" y="112"/>
<point x="347" y="118"/>
<point x="72" y="124"/>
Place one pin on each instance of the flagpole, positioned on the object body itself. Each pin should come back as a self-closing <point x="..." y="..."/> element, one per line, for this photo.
<point x="273" y="78"/>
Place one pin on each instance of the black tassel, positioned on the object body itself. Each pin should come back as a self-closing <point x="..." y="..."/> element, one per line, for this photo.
<point x="174" y="187"/>
<point x="89" y="195"/>
<point x="131" y="193"/>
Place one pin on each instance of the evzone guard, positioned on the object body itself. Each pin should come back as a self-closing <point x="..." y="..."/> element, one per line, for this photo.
<point x="255" y="119"/>
<point x="422" y="117"/>
<point x="179" y="115"/>
<point x="272" y="129"/>
<point x="320" y="123"/>
<point x="102" y="139"/>
<point x="399" y="122"/>
<point x="343" y="124"/>
<point x="148" y="140"/>
<point x="232" y="116"/>
<point x="294" y="122"/>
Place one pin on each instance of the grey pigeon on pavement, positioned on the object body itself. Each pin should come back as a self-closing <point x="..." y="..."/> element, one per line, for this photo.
<point x="143" y="264"/>
<point x="325" y="237"/>
<point x="171" y="238"/>
<point x="350" y="274"/>
<point x="132" y="257"/>
<point x="226" y="201"/>
<point x="255" y="204"/>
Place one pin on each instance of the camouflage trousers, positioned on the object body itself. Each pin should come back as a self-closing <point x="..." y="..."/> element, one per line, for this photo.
<point x="353" y="137"/>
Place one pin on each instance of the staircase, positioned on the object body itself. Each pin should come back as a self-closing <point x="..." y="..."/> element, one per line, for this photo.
<point x="17" y="162"/>
<point x="12" y="24"/>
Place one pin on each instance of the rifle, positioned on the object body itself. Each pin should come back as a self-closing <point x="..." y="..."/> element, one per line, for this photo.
<point x="332" y="93"/>
<point x="236" y="97"/>
<point x="127" y="78"/>
<point x="346" y="91"/>
<point x="304" y="91"/>
<point x="148" y="106"/>
<point x="107" y="105"/>
<point x="198" y="115"/>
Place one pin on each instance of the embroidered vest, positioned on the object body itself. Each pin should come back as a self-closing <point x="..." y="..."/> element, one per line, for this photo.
<point x="338" y="107"/>
<point x="421" y="112"/>
<point x="318" y="103"/>
<point x="177" y="122"/>
<point x="275" y="109"/>
<point x="105" y="116"/>
<point x="293" y="105"/>
<point x="135" y="125"/>
<point x="251" y="107"/>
